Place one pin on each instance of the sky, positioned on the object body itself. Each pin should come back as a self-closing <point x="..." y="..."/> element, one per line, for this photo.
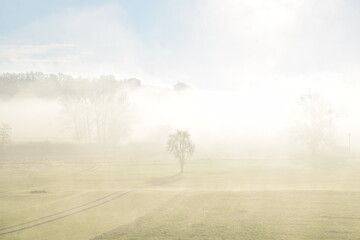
<point x="208" y="44"/>
<point x="251" y="59"/>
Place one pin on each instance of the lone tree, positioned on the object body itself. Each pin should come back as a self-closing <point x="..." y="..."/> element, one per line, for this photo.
<point x="181" y="146"/>
<point x="5" y="134"/>
<point x="318" y="118"/>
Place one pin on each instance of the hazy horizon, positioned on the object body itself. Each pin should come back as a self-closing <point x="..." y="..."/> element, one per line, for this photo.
<point x="179" y="119"/>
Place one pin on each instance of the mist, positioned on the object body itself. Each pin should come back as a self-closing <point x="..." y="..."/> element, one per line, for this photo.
<point x="194" y="119"/>
<point x="255" y="119"/>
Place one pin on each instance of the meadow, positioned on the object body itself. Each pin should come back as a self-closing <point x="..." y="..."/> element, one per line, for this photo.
<point x="212" y="199"/>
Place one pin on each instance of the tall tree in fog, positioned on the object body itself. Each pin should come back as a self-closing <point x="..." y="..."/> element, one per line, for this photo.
<point x="75" y="100"/>
<point x="318" y="117"/>
<point x="181" y="146"/>
<point x="5" y="134"/>
<point x="109" y="103"/>
<point x="77" y="109"/>
<point x="98" y="109"/>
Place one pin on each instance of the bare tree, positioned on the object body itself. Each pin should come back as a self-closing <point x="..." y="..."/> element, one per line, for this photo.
<point x="318" y="116"/>
<point x="77" y="106"/>
<point x="77" y="109"/>
<point x="181" y="146"/>
<point x="109" y="102"/>
<point x="5" y="134"/>
<point x="98" y="109"/>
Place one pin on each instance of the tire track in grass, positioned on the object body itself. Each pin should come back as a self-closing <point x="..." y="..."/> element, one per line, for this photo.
<point x="64" y="216"/>
<point x="60" y="212"/>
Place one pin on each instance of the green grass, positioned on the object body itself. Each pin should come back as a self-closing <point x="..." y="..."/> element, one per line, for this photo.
<point x="250" y="215"/>
<point x="211" y="200"/>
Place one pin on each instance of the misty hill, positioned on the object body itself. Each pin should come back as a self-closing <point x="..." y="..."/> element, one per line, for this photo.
<point x="58" y="85"/>
<point x="55" y="85"/>
<point x="59" y="107"/>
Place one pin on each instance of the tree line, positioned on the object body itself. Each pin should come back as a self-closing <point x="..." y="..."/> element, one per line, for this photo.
<point x="99" y="110"/>
<point x="54" y="85"/>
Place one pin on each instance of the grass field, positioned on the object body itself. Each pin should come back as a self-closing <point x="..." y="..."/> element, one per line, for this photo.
<point x="226" y="199"/>
<point x="250" y="215"/>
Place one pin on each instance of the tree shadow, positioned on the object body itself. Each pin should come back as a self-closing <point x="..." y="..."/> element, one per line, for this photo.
<point x="164" y="180"/>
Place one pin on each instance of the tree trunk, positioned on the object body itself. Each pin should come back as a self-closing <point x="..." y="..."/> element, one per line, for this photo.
<point x="181" y="165"/>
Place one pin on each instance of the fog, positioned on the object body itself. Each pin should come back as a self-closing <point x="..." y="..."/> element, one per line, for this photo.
<point x="255" y="119"/>
<point x="247" y="63"/>
<point x="191" y="119"/>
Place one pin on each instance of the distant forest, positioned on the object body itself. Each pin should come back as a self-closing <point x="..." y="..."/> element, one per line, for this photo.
<point x="98" y="108"/>
<point x="59" y="85"/>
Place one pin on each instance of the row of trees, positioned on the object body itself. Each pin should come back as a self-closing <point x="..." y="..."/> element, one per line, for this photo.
<point x="98" y="110"/>
<point x="50" y="85"/>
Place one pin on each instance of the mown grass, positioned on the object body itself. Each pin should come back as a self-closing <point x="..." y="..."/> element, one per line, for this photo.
<point x="211" y="200"/>
<point x="250" y="215"/>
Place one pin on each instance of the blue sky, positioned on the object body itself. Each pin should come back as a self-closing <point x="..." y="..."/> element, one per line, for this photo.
<point x="206" y="43"/>
<point x="16" y="14"/>
<point x="251" y="55"/>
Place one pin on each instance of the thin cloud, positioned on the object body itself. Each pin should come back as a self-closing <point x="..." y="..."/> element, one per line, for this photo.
<point x="211" y="45"/>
